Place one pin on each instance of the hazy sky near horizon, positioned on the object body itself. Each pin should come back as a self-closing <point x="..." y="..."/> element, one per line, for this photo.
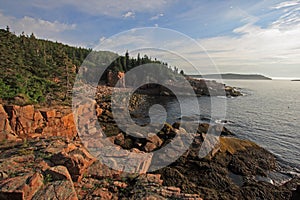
<point x="257" y="36"/>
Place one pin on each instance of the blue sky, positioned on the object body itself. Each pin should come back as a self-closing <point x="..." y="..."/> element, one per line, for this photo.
<point x="239" y="36"/>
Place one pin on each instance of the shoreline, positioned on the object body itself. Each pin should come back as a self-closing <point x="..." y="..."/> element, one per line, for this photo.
<point x="229" y="160"/>
<point x="201" y="87"/>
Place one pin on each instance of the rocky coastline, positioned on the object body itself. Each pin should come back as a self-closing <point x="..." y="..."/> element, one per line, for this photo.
<point x="201" y="87"/>
<point x="43" y="157"/>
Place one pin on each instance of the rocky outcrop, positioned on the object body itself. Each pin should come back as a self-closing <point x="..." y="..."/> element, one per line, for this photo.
<point x="20" y="122"/>
<point x="231" y="173"/>
<point x="57" y="185"/>
<point x="76" y="159"/>
<point x="200" y="87"/>
<point x="150" y="186"/>
<point x="118" y="185"/>
<point x="212" y="88"/>
<point x="155" y="141"/>
<point x="51" y="165"/>
<point x="24" y="122"/>
<point x="50" y="169"/>
<point x="35" y="169"/>
<point x="6" y="131"/>
<point x="21" y="187"/>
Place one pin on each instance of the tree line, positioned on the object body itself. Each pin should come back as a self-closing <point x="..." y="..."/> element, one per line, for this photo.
<point x="40" y="71"/>
<point x="36" y="70"/>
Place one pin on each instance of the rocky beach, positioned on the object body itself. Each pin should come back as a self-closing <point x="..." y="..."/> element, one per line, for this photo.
<point x="43" y="157"/>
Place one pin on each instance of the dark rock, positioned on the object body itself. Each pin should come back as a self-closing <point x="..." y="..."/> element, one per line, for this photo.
<point x="209" y="177"/>
<point x="149" y="186"/>
<point x="296" y="193"/>
<point x="58" y="173"/>
<point x="176" y="125"/>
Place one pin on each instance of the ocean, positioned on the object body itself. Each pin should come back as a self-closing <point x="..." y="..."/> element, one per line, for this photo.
<point x="268" y="114"/>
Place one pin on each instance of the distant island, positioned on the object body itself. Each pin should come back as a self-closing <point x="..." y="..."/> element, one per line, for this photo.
<point x="296" y="80"/>
<point x="233" y="76"/>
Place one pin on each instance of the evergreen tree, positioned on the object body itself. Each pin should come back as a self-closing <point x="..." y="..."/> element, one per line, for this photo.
<point x="29" y="66"/>
<point x="40" y="70"/>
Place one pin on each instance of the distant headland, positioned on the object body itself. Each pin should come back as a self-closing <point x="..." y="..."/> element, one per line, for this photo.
<point x="233" y="76"/>
<point x="296" y="80"/>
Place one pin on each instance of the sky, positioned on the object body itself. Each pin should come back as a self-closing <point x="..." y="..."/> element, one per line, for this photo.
<point x="253" y="36"/>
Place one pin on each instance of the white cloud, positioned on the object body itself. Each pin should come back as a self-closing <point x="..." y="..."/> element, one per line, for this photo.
<point x="255" y="48"/>
<point x="252" y="48"/>
<point x="107" y="7"/>
<point x="286" y="4"/>
<point x="256" y="42"/>
<point x="236" y="13"/>
<point x="39" y="27"/>
<point x="291" y="16"/>
<point x="129" y="14"/>
<point x="156" y="17"/>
